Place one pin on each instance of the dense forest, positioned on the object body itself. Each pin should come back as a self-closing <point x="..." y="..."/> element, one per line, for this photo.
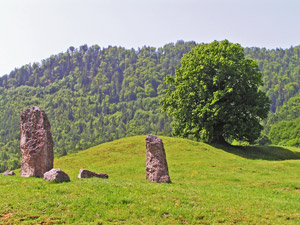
<point x="281" y="76"/>
<point x="93" y="95"/>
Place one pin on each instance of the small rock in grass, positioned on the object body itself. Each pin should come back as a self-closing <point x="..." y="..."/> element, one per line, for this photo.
<point x="56" y="175"/>
<point x="88" y="174"/>
<point x="9" y="173"/>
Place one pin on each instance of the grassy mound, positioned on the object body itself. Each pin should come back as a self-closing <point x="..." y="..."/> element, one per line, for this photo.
<point x="210" y="185"/>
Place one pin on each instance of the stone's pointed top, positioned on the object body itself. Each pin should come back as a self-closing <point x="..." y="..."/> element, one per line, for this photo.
<point x="36" y="111"/>
<point x="152" y="138"/>
<point x="34" y="108"/>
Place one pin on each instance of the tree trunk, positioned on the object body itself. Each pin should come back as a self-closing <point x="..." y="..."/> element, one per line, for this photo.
<point x="219" y="140"/>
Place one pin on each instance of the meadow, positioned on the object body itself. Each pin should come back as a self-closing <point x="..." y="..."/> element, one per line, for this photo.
<point x="210" y="185"/>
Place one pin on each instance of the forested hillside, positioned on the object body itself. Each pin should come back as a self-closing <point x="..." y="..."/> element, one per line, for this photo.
<point x="281" y="75"/>
<point x="90" y="94"/>
<point x="93" y="95"/>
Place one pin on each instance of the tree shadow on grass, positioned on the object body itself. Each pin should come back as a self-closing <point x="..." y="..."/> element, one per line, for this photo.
<point x="271" y="153"/>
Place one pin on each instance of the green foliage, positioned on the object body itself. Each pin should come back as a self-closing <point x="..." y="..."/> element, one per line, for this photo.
<point x="284" y="124"/>
<point x="286" y="133"/>
<point x="281" y="72"/>
<point x="281" y="76"/>
<point x="91" y="95"/>
<point x="210" y="185"/>
<point x="215" y="95"/>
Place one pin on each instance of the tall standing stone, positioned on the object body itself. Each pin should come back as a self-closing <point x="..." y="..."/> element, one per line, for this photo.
<point x="156" y="162"/>
<point x="36" y="143"/>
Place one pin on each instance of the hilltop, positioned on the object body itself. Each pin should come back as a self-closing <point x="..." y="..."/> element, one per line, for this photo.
<point x="210" y="185"/>
<point x="94" y="95"/>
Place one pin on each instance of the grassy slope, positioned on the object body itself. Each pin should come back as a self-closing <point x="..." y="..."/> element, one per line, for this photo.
<point x="211" y="185"/>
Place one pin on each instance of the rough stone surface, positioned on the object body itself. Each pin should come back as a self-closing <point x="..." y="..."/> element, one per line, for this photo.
<point x="9" y="173"/>
<point x="156" y="163"/>
<point x="36" y="143"/>
<point x="88" y="174"/>
<point x="56" y="175"/>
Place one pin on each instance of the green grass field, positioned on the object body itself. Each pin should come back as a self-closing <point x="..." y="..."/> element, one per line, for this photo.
<point x="210" y="185"/>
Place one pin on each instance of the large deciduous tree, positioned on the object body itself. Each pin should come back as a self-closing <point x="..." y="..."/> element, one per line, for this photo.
<point x="215" y="95"/>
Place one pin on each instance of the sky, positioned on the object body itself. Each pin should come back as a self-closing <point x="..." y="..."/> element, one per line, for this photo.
<point x="33" y="30"/>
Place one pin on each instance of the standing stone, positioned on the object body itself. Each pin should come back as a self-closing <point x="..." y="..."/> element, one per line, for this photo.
<point x="56" y="175"/>
<point x="36" y="143"/>
<point x="88" y="174"/>
<point x="156" y="163"/>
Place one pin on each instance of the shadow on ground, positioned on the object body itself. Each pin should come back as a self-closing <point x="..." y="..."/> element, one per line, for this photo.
<point x="272" y="153"/>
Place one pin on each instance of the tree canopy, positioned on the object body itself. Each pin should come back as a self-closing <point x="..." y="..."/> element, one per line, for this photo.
<point x="215" y="95"/>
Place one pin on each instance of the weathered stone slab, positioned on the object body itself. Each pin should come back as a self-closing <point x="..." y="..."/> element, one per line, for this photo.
<point x="9" y="173"/>
<point x="156" y="162"/>
<point x="36" y="143"/>
<point x="88" y="174"/>
<point x="56" y="175"/>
